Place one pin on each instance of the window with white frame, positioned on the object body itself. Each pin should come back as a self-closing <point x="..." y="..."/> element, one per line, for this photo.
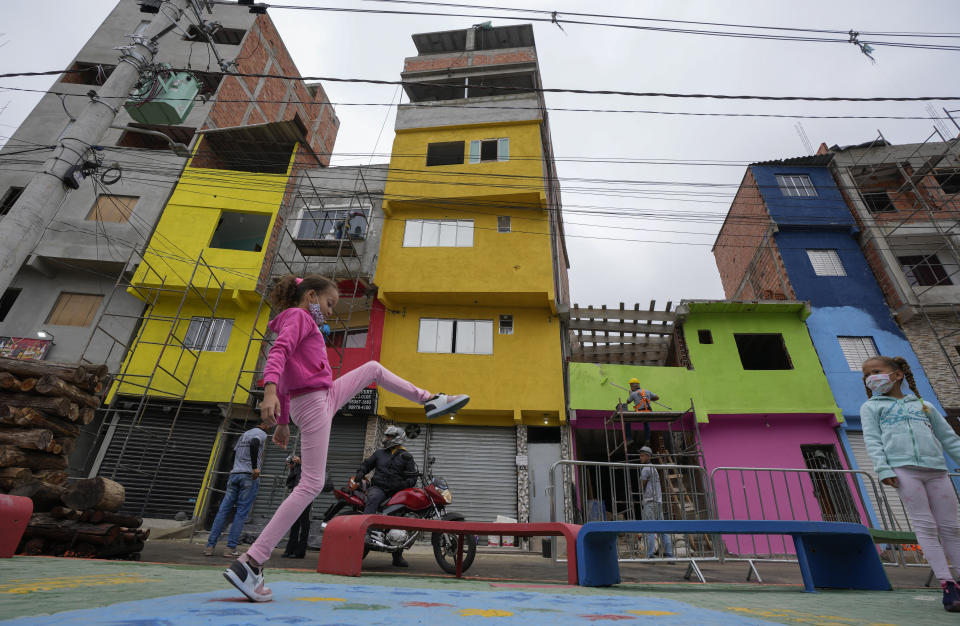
<point x="438" y="233"/>
<point x="483" y="150"/>
<point x="857" y="350"/>
<point x="796" y="185"/>
<point x="208" y="334"/>
<point x="826" y="263"/>
<point x="506" y="324"/>
<point x="455" y="336"/>
<point x="503" y="223"/>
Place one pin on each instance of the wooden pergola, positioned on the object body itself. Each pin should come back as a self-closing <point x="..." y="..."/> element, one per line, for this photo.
<point x="622" y="335"/>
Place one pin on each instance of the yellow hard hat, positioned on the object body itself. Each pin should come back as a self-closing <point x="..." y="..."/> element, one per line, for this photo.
<point x="633" y="380"/>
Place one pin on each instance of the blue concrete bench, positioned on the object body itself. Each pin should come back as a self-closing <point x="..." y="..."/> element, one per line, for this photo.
<point x="832" y="555"/>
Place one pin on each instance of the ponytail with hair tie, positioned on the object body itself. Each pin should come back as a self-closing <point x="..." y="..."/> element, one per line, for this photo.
<point x="287" y="291"/>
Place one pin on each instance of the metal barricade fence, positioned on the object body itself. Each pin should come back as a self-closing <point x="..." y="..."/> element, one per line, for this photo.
<point x="584" y="491"/>
<point x="600" y="491"/>
<point x="757" y="493"/>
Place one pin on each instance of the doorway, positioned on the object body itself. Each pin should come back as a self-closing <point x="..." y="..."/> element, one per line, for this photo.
<point x="830" y="489"/>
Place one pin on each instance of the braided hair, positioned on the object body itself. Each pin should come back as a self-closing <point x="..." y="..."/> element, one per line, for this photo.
<point x="286" y="292"/>
<point x="897" y="363"/>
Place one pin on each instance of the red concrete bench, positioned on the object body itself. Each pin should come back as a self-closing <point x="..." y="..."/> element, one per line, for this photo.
<point x="341" y="551"/>
<point x="15" y="512"/>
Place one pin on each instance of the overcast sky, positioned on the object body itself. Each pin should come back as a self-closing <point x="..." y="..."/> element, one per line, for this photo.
<point x="635" y="231"/>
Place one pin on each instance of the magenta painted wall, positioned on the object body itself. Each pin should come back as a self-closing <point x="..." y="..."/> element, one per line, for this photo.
<point x="767" y="441"/>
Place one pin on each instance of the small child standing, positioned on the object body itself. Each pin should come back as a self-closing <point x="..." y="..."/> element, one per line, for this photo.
<point x="298" y="382"/>
<point x="905" y="438"/>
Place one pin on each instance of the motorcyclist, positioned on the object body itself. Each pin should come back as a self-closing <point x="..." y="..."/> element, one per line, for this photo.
<point x="394" y="469"/>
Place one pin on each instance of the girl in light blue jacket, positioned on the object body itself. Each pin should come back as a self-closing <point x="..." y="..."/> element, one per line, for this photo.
<point x="906" y="438"/>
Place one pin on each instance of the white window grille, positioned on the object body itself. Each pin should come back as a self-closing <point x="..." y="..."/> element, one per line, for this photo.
<point x="826" y="263"/>
<point x="506" y="324"/>
<point x="455" y="336"/>
<point x="208" y="334"/>
<point x="857" y="350"/>
<point x="438" y="234"/>
<point x="503" y="224"/>
<point x="796" y="185"/>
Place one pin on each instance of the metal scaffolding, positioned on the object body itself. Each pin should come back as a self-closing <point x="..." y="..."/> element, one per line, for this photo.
<point x="907" y="201"/>
<point x="150" y="420"/>
<point x="136" y="393"/>
<point x="317" y="233"/>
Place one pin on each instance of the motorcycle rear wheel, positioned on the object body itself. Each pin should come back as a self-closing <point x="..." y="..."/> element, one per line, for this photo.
<point x="445" y="551"/>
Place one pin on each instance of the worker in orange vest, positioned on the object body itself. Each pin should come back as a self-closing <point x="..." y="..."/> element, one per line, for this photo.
<point x="640" y="398"/>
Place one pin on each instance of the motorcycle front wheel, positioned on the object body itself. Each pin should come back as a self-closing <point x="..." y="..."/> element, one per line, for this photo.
<point x="445" y="551"/>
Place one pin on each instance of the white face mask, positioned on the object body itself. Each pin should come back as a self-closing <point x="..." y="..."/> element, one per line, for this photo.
<point x="880" y="383"/>
<point x="317" y="313"/>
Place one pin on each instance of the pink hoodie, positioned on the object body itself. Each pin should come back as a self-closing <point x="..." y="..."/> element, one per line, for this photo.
<point x="297" y="362"/>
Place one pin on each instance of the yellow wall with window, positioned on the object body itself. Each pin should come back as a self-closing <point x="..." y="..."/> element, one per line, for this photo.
<point x="499" y="268"/>
<point x="501" y="273"/>
<point x="226" y="278"/>
<point x="520" y="380"/>
<point x="212" y="375"/>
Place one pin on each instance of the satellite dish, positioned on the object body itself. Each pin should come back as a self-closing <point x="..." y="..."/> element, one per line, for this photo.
<point x="412" y="430"/>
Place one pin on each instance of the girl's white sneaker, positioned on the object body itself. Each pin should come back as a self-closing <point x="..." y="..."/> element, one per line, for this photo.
<point x="442" y="404"/>
<point x="248" y="580"/>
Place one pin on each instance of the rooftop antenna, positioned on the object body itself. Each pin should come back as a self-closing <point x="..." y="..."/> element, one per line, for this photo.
<point x="803" y="137"/>
<point x="938" y="123"/>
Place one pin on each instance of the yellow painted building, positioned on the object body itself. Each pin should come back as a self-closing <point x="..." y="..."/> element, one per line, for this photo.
<point x="198" y="279"/>
<point x="468" y="263"/>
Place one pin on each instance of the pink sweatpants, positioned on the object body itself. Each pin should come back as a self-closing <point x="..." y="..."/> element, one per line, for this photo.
<point x="313" y="413"/>
<point x="931" y="505"/>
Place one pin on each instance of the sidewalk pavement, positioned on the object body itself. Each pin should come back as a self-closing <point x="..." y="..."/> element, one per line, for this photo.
<point x="507" y="587"/>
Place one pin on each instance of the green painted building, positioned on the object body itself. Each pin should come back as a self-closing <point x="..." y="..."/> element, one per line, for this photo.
<point x="758" y="394"/>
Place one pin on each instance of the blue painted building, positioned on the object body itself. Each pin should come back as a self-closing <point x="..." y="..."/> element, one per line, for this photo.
<point x="807" y="249"/>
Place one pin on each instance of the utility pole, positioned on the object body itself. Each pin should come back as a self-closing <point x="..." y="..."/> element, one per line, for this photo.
<point x="22" y="227"/>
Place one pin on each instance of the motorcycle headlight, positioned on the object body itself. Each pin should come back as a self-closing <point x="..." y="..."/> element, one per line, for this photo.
<point x="447" y="496"/>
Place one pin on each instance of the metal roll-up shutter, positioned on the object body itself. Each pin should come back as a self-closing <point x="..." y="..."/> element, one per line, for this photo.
<point x="344" y="455"/>
<point x="864" y="463"/>
<point x="416" y="446"/>
<point x="160" y="459"/>
<point x="480" y="464"/>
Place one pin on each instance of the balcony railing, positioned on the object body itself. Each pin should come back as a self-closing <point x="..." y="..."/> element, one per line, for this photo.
<point x="330" y="231"/>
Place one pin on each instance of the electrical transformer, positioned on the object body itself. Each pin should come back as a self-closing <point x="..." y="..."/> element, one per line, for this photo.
<point x="163" y="97"/>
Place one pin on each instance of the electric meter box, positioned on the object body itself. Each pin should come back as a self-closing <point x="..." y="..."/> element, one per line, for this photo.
<point x="171" y="104"/>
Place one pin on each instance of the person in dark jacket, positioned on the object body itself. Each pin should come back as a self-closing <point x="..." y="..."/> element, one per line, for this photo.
<point x="300" y="531"/>
<point x="393" y="469"/>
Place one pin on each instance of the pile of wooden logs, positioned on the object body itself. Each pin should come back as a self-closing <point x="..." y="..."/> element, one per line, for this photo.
<point x="43" y="407"/>
<point x="83" y="521"/>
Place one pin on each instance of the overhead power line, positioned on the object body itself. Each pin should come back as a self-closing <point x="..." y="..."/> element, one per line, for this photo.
<point x="558" y="17"/>
<point x="592" y="92"/>
<point x="805" y="116"/>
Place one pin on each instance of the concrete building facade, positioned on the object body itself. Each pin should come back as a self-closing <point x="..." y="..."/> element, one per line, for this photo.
<point x="74" y="284"/>
<point x="472" y="269"/>
<point x="904" y="199"/>
<point x="99" y="226"/>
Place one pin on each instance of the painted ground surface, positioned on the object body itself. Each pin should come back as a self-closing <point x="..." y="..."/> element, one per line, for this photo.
<point x="41" y="590"/>
<point x="298" y="603"/>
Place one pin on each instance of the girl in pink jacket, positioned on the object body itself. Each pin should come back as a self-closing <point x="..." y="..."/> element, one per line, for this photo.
<point x="298" y="382"/>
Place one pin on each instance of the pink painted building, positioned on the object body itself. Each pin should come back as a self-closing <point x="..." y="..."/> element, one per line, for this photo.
<point x="749" y="392"/>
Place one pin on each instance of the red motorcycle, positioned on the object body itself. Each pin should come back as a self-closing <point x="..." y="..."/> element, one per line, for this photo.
<point x="429" y="501"/>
